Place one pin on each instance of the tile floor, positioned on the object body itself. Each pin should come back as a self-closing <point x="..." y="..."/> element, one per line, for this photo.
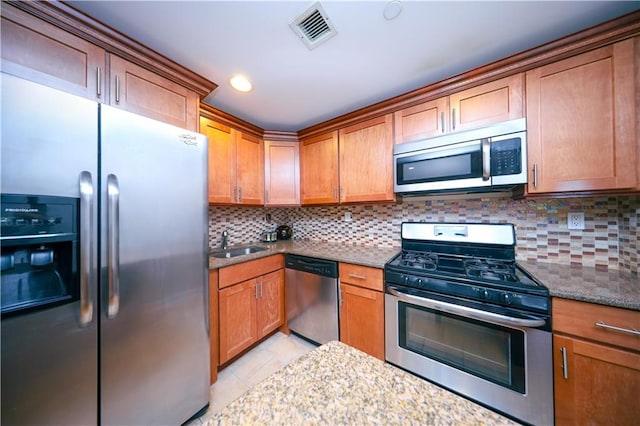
<point x="255" y="366"/>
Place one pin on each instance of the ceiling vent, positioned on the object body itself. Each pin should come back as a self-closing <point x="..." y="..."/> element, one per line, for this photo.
<point x="313" y="26"/>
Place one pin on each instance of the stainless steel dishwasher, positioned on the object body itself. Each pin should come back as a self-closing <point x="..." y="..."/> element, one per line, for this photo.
<point x="311" y="294"/>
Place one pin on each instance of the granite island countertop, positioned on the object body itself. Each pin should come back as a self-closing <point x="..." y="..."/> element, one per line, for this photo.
<point x="336" y="384"/>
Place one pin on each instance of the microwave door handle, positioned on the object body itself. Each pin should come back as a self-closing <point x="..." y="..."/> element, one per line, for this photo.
<point x="486" y="159"/>
<point x="467" y="312"/>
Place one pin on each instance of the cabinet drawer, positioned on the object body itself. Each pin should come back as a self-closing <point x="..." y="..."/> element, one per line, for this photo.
<point x="230" y="275"/>
<point x="361" y="276"/>
<point x="580" y="319"/>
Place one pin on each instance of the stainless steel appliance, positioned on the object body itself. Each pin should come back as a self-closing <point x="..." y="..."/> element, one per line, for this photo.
<point x="460" y="312"/>
<point x="311" y="292"/>
<point x="486" y="159"/>
<point x="111" y="209"/>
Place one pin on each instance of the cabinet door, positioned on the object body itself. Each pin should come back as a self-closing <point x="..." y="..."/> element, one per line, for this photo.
<point x="489" y="103"/>
<point x="422" y="121"/>
<point x="35" y="50"/>
<point x="601" y="386"/>
<point x="366" y="161"/>
<point x="282" y="173"/>
<point x="581" y="122"/>
<point x="362" y="319"/>
<point x="143" y="92"/>
<point x="222" y="161"/>
<point x="237" y="310"/>
<point x="270" y="306"/>
<point x="319" y="172"/>
<point x="249" y="169"/>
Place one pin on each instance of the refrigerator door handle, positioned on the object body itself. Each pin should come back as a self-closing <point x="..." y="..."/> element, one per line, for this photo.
<point x="86" y="233"/>
<point x="113" y="241"/>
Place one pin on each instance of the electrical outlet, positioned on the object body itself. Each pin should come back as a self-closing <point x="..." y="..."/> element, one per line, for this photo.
<point x="575" y="220"/>
<point x="347" y="216"/>
<point x="267" y="217"/>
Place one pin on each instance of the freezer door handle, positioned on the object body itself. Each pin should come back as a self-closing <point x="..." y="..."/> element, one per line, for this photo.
<point x="86" y="233"/>
<point x="113" y="241"/>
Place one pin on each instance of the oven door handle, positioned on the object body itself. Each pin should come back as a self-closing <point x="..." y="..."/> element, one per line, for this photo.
<point x="467" y="312"/>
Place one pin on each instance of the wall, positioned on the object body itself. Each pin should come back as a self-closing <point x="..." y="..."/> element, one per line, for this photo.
<point x="609" y="240"/>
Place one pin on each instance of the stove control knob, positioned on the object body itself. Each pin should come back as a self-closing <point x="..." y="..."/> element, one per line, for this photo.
<point x="406" y="279"/>
<point x="419" y="282"/>
<point x="506" y="298"/>
<point x="485" y="294"/>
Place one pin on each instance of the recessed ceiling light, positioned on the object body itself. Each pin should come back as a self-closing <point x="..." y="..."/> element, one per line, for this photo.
<point x="240" y="83"/>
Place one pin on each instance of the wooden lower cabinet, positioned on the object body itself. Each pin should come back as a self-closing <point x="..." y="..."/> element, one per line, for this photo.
<point x="596" y="369"/>
<point x="362" y="308"/>
<point x="601" y="387"/>
<point x="249" y="311"/>
<point x="237" y="319"/>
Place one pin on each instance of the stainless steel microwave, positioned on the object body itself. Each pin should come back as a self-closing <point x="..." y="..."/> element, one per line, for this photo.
<point x="485" y="159"/>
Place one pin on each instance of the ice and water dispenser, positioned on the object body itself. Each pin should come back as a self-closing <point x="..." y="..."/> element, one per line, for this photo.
<point x="39" y="252"/>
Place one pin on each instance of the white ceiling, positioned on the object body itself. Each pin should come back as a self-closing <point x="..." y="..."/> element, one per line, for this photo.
<point x="370" y="59"/>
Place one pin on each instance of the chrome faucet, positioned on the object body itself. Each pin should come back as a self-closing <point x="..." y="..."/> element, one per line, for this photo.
<point x="225" y="243"/>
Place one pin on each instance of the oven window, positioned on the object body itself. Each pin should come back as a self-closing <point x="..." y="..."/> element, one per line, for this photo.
<point x="489" y="351"/>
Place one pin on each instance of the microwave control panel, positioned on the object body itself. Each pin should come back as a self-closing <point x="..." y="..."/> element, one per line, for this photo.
<point x="506" y="158"/>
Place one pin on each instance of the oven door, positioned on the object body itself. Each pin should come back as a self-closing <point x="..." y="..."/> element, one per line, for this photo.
<point x="501" y="361"/>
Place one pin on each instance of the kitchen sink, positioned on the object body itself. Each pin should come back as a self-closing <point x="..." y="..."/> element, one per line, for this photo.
<point x="237" y="252"/>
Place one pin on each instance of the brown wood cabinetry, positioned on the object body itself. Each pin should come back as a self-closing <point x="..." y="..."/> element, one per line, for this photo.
<point x="596" y="368"/>
<point x="319" y="171"/>
<point x="143" y="92"/>
<point x="38" y="51"/>
<point x="362" y="308"/>
<point x="366" y="161"/>
<point x="236" y="165"/>
<point x="581" y="122"/>
<point x="76" y="55"/>
<point x="479" y="106"/>
<point x="282" y="173"/>
<point x="251" y="303"/>
<point x="351" y="165"/>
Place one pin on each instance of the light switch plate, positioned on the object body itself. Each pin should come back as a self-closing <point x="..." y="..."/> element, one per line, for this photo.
<point x="575" y="220"/>
<point x="347" y="216"/>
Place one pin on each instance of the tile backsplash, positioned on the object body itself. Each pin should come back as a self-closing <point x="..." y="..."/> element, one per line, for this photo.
<point x="609" y="240"/>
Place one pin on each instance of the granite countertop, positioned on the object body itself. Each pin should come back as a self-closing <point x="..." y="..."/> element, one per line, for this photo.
<point x="336" y="384"/>
<point x="587" y="284"/>
<point x="613" y="288"/>
<point x="361" y="255"/>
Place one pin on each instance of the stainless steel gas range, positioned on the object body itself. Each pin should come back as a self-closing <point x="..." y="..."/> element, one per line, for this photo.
<point x="460" y="312"/>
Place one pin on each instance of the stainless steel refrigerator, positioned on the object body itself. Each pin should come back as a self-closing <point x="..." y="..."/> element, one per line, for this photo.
<point x="128" y="343"/>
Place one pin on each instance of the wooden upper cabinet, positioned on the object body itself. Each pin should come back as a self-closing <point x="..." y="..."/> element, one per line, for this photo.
<point x="249" y="169"/>
<point x="581" y="121"/>
<point x="319" y="171"/>
<point x="422" y="121"/>
<point x="366" y="161"/>
<point x="143" y="92"/>
<point x="38" y="51"/>
<point x="483" y="105"/>
<point x="489" y="103"/>
<point x="236" y="165"/>
<point x="282" y="173"/>
<point x="222" y="156"/>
